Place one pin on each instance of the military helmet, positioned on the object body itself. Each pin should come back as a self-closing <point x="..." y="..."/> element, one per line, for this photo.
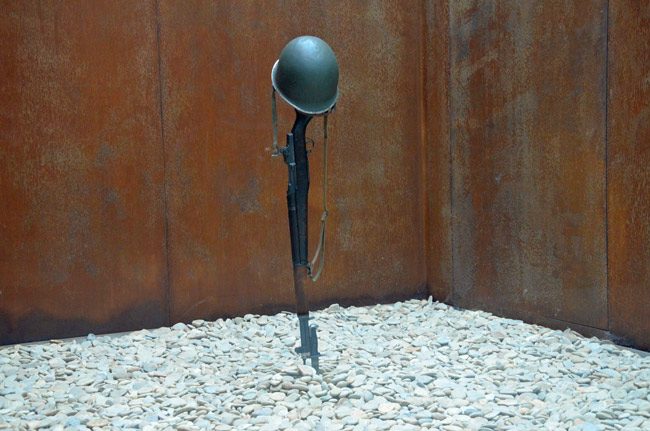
<point x="306" y="75"/>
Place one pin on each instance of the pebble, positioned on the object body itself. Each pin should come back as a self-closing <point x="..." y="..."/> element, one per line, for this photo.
<point x="423" y="380"/>
<point x="406" y="366"/>
<point x="387" y="407"/>
<point x="278" y="396"/>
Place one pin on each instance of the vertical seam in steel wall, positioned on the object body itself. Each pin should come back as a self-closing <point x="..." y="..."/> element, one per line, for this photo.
<point x="168" y="289"/>
<point x="607" y="161"/>
<point x="424" y="150"/>
<point x="451" y="155"/>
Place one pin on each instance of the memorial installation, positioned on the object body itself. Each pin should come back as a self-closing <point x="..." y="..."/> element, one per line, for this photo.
<point x="306" y="77"/>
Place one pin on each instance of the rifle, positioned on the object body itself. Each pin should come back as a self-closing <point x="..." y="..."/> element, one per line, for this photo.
<point x="295" y="156"/>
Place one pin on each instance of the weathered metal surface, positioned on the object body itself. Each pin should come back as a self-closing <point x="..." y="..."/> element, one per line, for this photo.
<point x="629" y="170"/>
<point x="82" y="161"/>
<point x="528" y="145"/>
<point x="436" y="156"/>
<point x="229" y="248"/>
<point x="81" y="176"/>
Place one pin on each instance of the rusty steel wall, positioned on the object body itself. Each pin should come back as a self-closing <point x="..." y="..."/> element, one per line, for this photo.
<point x="528" y="95"/>
<point x="629" y="170"/>
<point x="81" y="175"/>
<point x="228" y="229"/>
<point x="475" y="156"/>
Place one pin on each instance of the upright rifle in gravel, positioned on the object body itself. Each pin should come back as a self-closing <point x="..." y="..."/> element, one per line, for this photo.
<point x="306" y="76"/>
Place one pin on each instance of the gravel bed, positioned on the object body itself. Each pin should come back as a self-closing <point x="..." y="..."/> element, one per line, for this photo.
<point x="404" y="366"/>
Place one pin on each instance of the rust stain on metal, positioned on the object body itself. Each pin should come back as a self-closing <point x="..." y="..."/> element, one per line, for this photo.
<point x="80" y="170"/>
<point x="628" y="172"/>
<point x="436" y="156"/>
<point x="229" y="241"/>
<point x="527" y="115"/>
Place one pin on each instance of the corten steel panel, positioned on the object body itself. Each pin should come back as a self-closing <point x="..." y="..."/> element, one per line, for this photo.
<point x="81" y="178"/>
<point x="228" y="229"/>
<point x="527" y="116"/>
<point x="437" y="150"/>
<point x="629" y="170"/>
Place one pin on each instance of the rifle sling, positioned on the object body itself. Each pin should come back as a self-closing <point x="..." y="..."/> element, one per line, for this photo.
<point x="319" y="256"/>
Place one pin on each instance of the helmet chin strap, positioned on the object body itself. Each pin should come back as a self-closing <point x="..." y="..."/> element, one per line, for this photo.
<point x="275" y="150"/>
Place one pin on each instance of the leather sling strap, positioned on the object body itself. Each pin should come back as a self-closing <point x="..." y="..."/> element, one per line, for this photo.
<point x="319" y="256"/>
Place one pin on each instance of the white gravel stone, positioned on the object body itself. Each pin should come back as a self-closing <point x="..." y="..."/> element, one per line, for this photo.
<point x="406" y="366"/>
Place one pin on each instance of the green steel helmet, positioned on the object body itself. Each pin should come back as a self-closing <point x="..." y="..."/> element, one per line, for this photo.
<point x="307" y="75"/>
